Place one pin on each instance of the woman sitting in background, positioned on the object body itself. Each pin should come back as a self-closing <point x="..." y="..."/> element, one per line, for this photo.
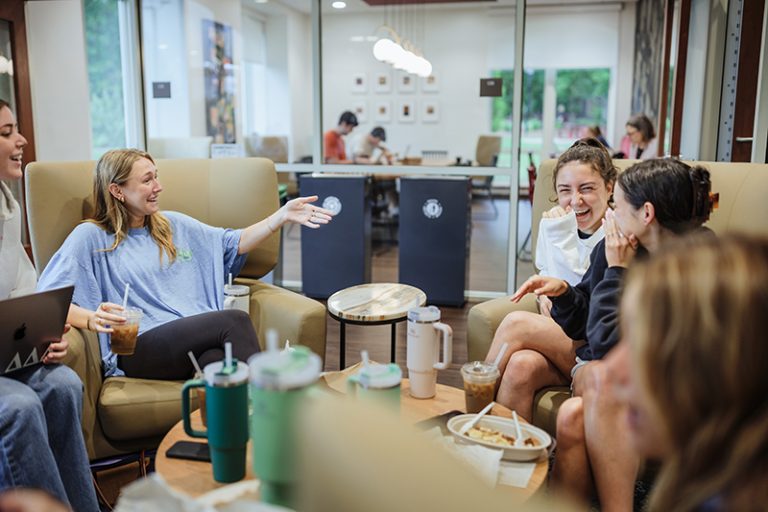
<point x="176" y="267"/>
<point x="541" y="354"/>
<point x="642" y="136"/>
<point x="694" y="319"/>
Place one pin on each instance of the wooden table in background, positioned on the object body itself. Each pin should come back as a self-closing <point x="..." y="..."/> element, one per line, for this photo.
<point x="196" y="478"/>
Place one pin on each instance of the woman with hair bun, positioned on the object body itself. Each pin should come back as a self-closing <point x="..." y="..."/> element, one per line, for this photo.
<point x="697" y="366"/>
<point x="655" y="200"/>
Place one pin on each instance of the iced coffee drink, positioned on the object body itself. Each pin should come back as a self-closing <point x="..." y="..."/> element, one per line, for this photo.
<point x="479" y="384"/>
<point x="123" y="337"/>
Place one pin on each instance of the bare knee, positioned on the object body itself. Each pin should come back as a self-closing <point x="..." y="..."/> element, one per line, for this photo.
<point x="516" y="326"/>
<point x="523" y="367"/>
<point x="570" y="423"/>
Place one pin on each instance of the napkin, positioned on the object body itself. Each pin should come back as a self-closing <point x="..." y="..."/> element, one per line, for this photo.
<point x="486" y="461"/>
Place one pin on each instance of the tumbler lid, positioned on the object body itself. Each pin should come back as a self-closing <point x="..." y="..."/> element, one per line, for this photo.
<point x="285" y="369"/>
<point x="236" y="290"/>
<point x="216" y="375"/>
<point x="380" y="376"/>
<point x="424" y="315"/>
<point x="478" y="371"/>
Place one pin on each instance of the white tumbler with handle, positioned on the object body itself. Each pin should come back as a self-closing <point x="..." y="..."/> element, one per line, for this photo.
<point x="425" y="332"/>
<point x="237" y="296"/>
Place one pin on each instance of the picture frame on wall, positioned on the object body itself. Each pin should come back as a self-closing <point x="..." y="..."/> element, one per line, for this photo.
<point x="382" y="83"/>
<point x="382" y="112"/>
<point x="406" y="82"/>
<point x="406" y="113"/>
<point x="430" y="111"/>
<point x="360" y="109"/>
<point x="429" y="84"/>
<point x="359" y="83"/>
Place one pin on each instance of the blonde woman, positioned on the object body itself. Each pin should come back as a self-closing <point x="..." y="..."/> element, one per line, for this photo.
<point x="176" y="267"/>
<point x="694" y="319"/>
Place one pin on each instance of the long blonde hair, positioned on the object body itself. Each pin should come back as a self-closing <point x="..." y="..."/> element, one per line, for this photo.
<point x="700" y="343"/>
<point x="111" y="215"/>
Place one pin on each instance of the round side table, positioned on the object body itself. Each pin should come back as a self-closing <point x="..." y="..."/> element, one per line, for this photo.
<point x="373" y="304"/>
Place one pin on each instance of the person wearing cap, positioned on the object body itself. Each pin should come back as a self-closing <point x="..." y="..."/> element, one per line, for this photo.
<point x="367" y="146"/>
<point x="334" y="150"/>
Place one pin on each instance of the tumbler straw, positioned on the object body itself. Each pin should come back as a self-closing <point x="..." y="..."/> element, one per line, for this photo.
<point x="228" y="355"/>
<point x="198" y="370"/>
<point x="272" y="340"/>
<point x="230" y="279"/>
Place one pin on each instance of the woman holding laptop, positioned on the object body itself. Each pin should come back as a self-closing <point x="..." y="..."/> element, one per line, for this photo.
<point x="41" y="443"/>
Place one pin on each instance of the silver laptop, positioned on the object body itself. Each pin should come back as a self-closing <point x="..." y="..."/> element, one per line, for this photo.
<point x="28" y="324"/>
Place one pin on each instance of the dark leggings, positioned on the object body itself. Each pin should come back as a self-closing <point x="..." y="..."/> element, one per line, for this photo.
<point x="161" y="353"/>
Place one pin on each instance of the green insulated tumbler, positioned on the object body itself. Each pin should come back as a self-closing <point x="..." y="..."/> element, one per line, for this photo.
<point x="226" y="399"/>
<point x="279" y="384"/>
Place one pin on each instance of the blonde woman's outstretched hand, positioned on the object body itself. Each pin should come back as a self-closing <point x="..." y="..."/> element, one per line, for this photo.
<point x="302" y="211"/>
<point x="541" y="285"/>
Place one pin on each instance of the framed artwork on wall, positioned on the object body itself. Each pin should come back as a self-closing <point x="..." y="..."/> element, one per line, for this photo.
<point x="381" y="112"/>
<point x="360" y="108"/>
<point x="429" y="84"/>
<point x="382" y="83"/>
<point x="430" y="111"/>
<point x="359" y="83"/>
<point x="406" y="82"/>
<point x="407" y="112"/>
<point x="219" y="77"/>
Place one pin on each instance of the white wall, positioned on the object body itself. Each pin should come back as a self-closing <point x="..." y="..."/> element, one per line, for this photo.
<point x="59" y="79"/>
<point x="464" y="46"/>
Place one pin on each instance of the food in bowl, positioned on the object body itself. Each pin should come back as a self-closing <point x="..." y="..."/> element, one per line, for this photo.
<point x="494" y="436"/>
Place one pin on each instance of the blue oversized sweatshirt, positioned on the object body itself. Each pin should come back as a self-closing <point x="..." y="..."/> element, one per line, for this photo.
<point x="191" y="285"/>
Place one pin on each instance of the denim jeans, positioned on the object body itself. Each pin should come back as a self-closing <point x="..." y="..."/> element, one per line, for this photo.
<point x="41" y="443"/>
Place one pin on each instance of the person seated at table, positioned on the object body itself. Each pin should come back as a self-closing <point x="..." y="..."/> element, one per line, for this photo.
<point x="175" y="265"/>
<point x="334" y="150"/>
<point x="367" y="146"/>
<point x="694" y="319"/>
<point x="41" y="441"/>
<point x="540" y="354"/>
<point x="656" y="201"/>
<point x="642" y="136"/>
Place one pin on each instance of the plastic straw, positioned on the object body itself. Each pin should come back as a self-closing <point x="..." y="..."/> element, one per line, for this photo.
<point x="500" y="355"/>
<point x="230" y="279"/>
<point x="272" y="340"/>
<point x="198" y="370"/>
<point x="519" y="438"/>
<point x="366" y="361"/>
<point x="125" y="295"/>
<point x="228" y="355"/>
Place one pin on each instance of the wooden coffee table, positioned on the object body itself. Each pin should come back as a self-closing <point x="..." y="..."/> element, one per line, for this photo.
<point x="196" y="478"/>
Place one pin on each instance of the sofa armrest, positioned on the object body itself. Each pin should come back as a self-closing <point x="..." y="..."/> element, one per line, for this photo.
<point x="84" y="357"/>
<point x="484" y="318"/>
<point x="295" y="317"/>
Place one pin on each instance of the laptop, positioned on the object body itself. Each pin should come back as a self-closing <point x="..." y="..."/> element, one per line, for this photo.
<point x="28" y="324"/>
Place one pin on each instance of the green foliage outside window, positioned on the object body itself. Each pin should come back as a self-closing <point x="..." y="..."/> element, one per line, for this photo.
<point x="102" y="35"/>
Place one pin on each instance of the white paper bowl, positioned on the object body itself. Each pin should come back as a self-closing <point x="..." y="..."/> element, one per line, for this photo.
<point x="507" y="427"/>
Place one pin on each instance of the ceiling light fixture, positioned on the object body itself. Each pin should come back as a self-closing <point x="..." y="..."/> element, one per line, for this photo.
<point x="401" y="54"/>
<point x="338" y="5"/>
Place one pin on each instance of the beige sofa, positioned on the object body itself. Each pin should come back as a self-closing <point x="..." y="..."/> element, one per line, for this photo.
<point x="743" y="188"/>
<point x="120" y="414"/>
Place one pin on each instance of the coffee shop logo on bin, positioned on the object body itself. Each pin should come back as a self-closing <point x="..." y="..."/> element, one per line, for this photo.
<point x="333" y="204"/>
<point x="432" y="209"/>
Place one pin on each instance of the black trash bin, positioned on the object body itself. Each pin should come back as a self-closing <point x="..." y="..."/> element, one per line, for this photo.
<point x="434" y="236"/>
<point x="337" y="255"/>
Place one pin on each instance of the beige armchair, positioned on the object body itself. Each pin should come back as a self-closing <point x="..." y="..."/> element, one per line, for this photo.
<point x="123" y="415"/>
<point x="742" y="188"/>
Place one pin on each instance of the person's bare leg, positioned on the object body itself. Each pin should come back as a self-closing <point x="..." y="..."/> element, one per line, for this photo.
<point x="527" y="371"/>
<point x="614" y="462"/>
<point x="526" y="330"/>
<point x="571" y="474"/>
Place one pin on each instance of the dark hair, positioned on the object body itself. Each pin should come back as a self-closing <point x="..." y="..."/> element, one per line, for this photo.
<point x="379" y="133"/>
<point x="591" y="152"/>
<point x="596" y="130"/>
<point x="641" y="123"/>
<point x="679" y="193"/>
<point x="348" y="118"/>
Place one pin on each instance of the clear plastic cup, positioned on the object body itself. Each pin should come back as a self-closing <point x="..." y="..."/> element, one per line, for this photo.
<point x="123" y="338"/>
<point x="479" y="384"/>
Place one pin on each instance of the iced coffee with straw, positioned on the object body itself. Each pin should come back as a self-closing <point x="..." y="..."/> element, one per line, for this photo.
<point x="479" y="384"/>
<point x="123" y="336"/>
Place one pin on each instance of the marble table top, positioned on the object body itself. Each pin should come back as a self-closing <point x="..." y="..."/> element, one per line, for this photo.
<point x="375" y="302"/>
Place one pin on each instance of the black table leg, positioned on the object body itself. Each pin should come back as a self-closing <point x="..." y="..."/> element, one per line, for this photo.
<point x="342" y="344"/>
<point x="394" y="340"/>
